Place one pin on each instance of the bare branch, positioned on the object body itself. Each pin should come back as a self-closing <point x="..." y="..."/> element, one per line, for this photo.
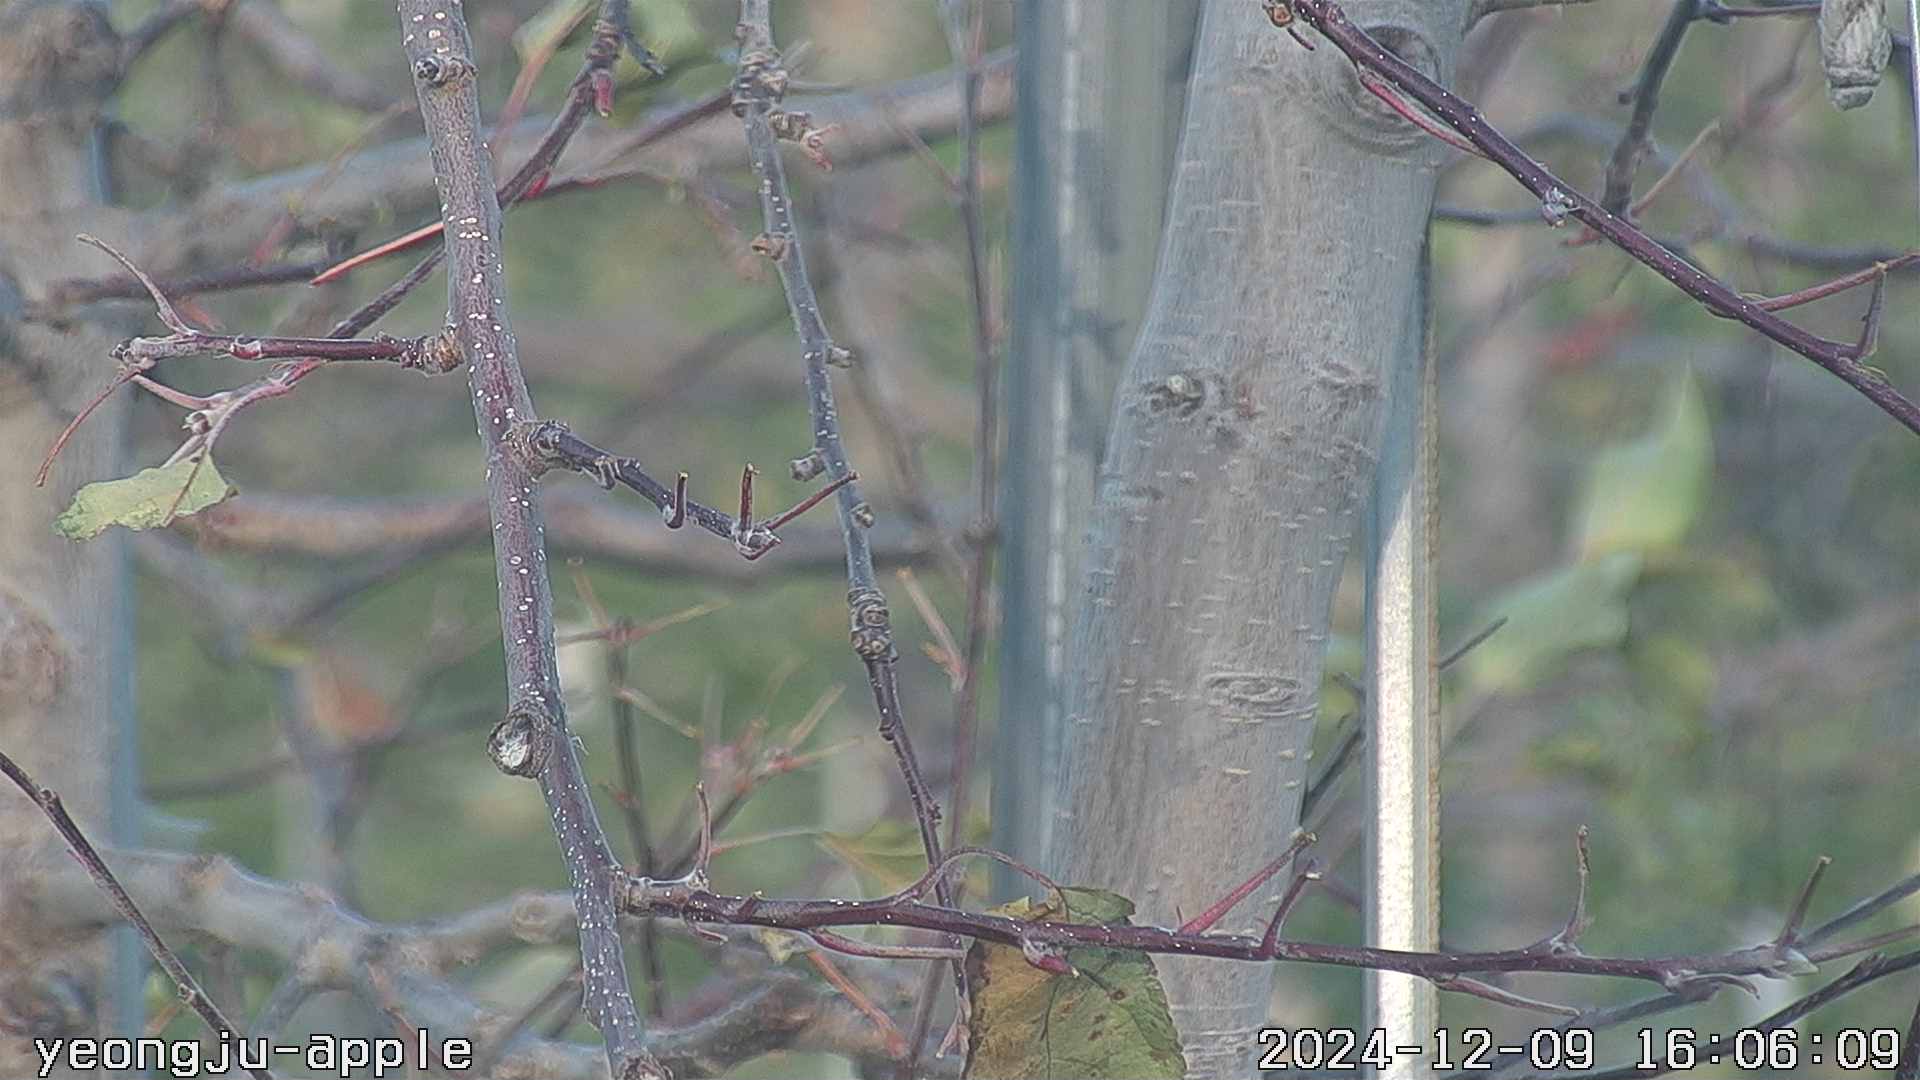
<point x="1560" y="200"/>
<point x="103" y="877"/>
<point x="439" y="52"/>
<point x="1646" y="98"/>
<point x="394" y="177"/>
<point x="685" y="900"/>
<point x="757" y="93"/>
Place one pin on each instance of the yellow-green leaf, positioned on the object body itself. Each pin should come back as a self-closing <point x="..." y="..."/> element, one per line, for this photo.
<point x="1108" y="1016"/>
<point x="143" y="500"/>
<point x="1551" y="617"/>
<point x="1645" y="495"/>
<point x="886" y="857"/>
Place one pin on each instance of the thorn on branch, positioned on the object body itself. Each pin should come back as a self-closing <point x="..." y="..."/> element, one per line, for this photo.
<point x="1461" y="650"/>
<point x="1270" y="941"/>
<point x="1870" y="322"/>
<point x="703" y="856"/>
<point x="1566" y="940"/>
<point x="676" y="514"/>
<point x="619" y="19"/>
<point x="1790" y="932"/>
<point x="809" y="502"/>
<point x="750" y="543"/>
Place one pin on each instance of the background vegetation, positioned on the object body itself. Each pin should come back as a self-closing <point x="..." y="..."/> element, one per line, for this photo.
<point x="1705" y="548"/>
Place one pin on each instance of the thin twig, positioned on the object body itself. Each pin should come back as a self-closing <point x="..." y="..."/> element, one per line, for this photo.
<point x="757" y="92"/>
<point x="602" y="50"/>
<point x="183" y="981"/>
<point x="1870" y="970"/>
<point x="831" y="972"/>
<point x="564" y="989"/>
<point x="1646" y="98"/>
<point x="72" y="291"/>
<point x="633" y="804"/>
<point x="549" y="443"/>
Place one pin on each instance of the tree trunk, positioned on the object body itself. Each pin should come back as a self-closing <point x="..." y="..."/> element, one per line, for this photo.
<point x="65" y="662"/>
<point x="1100" y="92"/>
<point x="1245" y="434"/>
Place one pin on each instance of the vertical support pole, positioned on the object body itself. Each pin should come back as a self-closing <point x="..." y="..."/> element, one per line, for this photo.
<point x="1100" y="91"/>
<point x="1402" y="856"/>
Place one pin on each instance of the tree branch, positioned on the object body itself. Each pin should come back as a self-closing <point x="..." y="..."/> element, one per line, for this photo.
<point x="334" y="948"/>
<point x="757" y="93"/>
<point x="1646" y="98"/>
<point x="534" y="739"/>
<point x="1560" y="201"/>
<point x="183" y="981"/>
<point x="392" y="178"/>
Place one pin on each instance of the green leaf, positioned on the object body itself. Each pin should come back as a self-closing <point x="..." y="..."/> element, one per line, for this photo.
<point x="142" y="501"/>
<point x="1645" y="495"/>
<point x="1108" y="1016"/>
<point x="1551" y="617"/>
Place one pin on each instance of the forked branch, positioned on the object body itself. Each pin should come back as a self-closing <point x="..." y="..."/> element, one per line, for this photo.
<point x="1560" y="200"/>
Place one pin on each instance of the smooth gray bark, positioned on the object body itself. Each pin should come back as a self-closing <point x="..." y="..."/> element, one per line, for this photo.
<point x="1245" y="434"/>
<point x="65" y="664"/>
<point x="1100" y="90"/>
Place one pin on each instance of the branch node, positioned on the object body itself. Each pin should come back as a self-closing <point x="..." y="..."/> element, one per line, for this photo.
<point x="863" y="515"/>
<point x="675" y="514"/>
<point x="441" y="70"/>
<point x="872" y="630"/>
<point x="434" y="354"/>
<point x="1555" y="207"/>
<point x="806" y="468"/>
<point x="538" y="443"/>
<point x="772" y="245"/>
<point x="797" y="127"/>
<point x="840" y="356"/>
<point x="520" y="744"/>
